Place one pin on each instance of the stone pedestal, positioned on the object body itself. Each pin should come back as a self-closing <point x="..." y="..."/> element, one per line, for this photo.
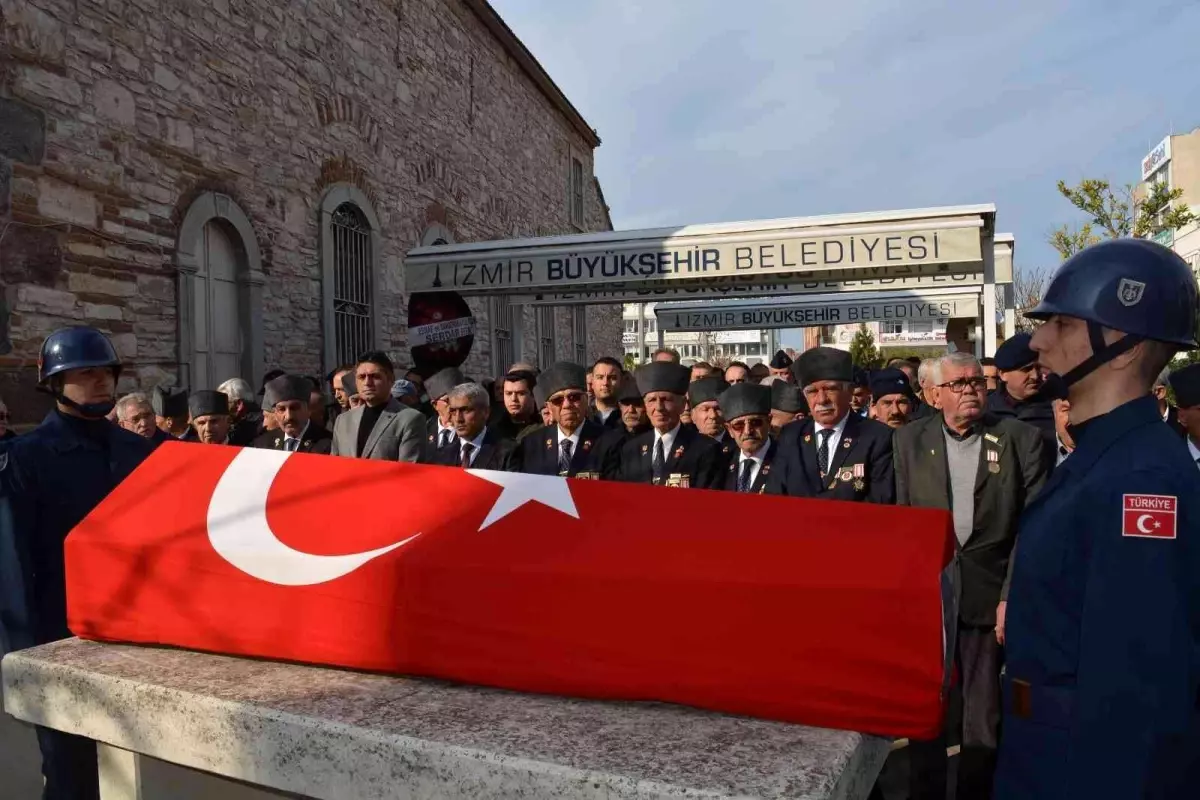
<point x="187" y="725"/>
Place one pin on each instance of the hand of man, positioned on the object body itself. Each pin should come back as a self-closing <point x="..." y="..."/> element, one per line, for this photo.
<point x="1000" y="621"/>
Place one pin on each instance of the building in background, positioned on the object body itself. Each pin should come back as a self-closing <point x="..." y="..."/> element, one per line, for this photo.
<point x="1175" y="161"/>
<point x="226" y="188"/>
<point x="749" y="347"/>
<point x="889" y="334"/>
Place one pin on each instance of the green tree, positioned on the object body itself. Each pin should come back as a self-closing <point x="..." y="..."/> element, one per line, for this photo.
<point x="863" y="351"/>
<point x="1117" y="213"/>
<point x="630" y="362"/>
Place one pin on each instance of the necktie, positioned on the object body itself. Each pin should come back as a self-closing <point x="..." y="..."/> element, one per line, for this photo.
<point x="445" y="439"/>
<point x="564" y="457"/>
<point x="823" y="450"/>
<point x="467" y="449"/>
<point x="289" y="444"/>
<point x="744" y="479"/>
<point x="1063" y="452"/>
<point x="659" y="460"/>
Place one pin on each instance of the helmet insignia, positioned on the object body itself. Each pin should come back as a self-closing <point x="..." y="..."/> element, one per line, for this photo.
<point x="1130" y="292"/>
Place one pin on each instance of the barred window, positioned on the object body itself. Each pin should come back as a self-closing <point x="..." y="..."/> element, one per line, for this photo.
<point x="581" y="351"/>
<point x="351" y="282"/>
<point x="500" y="314"/>
<point x="545" y="334"/>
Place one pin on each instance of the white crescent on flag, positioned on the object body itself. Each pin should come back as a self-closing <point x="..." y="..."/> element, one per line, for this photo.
<point x="241" y="534"/>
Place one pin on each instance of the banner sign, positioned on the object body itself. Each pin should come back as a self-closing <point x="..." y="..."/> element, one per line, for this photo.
<point x="802" y="314"/>
<point x="760" y="255"/>
<point x="918" y="276"/>
<point x="441" y="330"/>
<point x="532" y="583"/>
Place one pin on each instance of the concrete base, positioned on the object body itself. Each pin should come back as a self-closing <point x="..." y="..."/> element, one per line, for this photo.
<point x="325" y="733"/>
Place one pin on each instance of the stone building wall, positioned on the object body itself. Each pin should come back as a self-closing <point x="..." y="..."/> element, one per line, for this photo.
<point x="119" y="118"/>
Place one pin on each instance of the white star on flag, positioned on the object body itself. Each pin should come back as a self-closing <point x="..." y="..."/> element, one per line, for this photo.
<point x="519" y="489"/>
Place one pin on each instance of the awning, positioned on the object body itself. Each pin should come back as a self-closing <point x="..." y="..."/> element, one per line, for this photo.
<point x="758" y="252"/>
<point x="811" y="311"/>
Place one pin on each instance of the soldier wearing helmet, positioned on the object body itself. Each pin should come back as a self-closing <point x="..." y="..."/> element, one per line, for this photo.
<point x="52" y="478"/>
<point x="1101" y="691"/>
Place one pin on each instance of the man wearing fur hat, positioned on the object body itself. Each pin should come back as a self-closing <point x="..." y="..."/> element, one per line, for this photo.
<point x="567" y="446"/>
<point x="747" y="408"/>
<point x="288" y="397"/>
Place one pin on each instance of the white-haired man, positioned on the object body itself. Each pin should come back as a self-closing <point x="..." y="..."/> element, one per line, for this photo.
<point x="135" y="413"/>
<point x="984" y="469"/>
<point x="475" y="446"/>
<point x="245" y="417"/>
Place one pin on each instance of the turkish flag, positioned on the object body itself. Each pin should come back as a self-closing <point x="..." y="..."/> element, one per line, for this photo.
<point x="1150" y="516"/>
<point x="817" y="612"/>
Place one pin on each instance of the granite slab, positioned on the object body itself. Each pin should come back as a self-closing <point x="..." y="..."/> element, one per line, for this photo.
<point x="327" y="733"/>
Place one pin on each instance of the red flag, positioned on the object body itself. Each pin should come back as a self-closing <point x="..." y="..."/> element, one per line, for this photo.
<point x="818" y="612"/>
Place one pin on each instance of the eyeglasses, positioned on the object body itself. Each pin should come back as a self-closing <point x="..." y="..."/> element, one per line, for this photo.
<point x="959" y="386"/>
<point x="740" y="425"/>
<point x="573" y="398"/>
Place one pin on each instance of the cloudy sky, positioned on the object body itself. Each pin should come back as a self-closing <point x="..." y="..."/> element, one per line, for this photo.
<point x="714" y="110"/>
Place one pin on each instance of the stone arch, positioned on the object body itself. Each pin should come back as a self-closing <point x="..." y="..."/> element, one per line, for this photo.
<point x="334" y="197"/>
<point x="225" y="215"/>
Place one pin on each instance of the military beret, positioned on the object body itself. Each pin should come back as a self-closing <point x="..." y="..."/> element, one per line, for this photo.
<point x="662" y="376"/>
<point x="890" y="381"/>
<point x="206" y="403"/>
<point x="562" y="376"/>
<point x="168" y="401"/>
<point x="705" y="389"/>
<point x="404" y="388"/>
<point x="1015" y="353"/>
<point x="349" y="384"/>
<point x="786" y="398"/>
<point x="780" y="360"/>
<point x="628" y="391"/>
<point x="286" y="388"/>
<point x="823" y="364"/>
<point x="743" y="399"/>
<point x="442" y="381"/>
<point x="1185" y="383"/>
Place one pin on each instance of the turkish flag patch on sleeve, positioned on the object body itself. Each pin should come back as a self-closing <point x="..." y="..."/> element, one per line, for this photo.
<point x="1150" y="516"/>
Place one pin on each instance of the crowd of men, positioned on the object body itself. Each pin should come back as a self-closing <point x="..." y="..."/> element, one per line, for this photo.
<point x="977" y="438"/>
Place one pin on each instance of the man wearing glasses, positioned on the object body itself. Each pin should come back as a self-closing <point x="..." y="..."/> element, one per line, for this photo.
<point x="984" y="469"/>
<point x="748" y="408"/>
<point x="567" y="446"/>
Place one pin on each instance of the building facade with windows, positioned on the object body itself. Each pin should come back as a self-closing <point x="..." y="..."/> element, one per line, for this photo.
<point x="227" y="188"/>
<point x="887" y="333"/>
<point x="1175" y="161"/>
<point x="749" y="347"/>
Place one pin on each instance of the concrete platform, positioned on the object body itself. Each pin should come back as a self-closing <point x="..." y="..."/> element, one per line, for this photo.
<point x="324" y="733"/>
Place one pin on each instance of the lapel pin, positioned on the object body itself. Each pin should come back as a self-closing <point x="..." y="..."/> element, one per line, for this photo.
<point x="679" y="452"/>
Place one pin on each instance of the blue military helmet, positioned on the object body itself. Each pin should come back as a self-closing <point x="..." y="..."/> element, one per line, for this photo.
<point x="1131" y="285"/>
<point x="78" y="347"/>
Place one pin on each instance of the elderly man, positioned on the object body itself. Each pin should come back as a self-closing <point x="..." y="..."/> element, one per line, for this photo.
<point x="833" y="454"/>
<point x="1169" y="412"/>
<point x="670" y="453"/>
<point x="737" y="372"/>
<point x="209" y="416"/>
<point x="135" y="413"/>
<point x="350" y="391"/>
<point x="567" y="446"/>
<point x="606" y="377"/>
<point x="985" y="470"/>
<point x="439" y="430"/>
<point x="287" y="397"/>
<point x="171" y="412"/>
<point x="1063" y="440"/>
<point x="787" y="404"/>
<point x="381" y="428"/>
<point x="1019" y="394"/>
<point x="475" y="446"/>
<point x="245" y="417"/>
<point x="1186" y="384"/>
<point x="634" y="421"/>
<point x="748" y="408"/>
<point x="894" y="398"/>
<point x="703" y="397"/>
<point x="780" y="366"/>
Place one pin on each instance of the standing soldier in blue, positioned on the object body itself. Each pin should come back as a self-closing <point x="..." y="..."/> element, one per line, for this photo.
<point x="52" y="477"/>
<point x="1102" y="631"/>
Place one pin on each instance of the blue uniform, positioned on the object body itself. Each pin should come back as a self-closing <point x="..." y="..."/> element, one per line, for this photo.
<point x="51" y="479"/>
<point x="1102" y="684"/>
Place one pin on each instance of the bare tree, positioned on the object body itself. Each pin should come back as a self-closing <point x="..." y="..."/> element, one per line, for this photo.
<point x="1028" y="288"/>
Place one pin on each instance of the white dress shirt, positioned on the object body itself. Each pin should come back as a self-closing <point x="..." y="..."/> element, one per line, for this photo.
<point x="1059" y="455"/>
<point x="297" y="439"/>
<point x="572" y="438"/>
<point x="477" y="443"/>
<point x="668" y="441"/>
<point x="440" y="432"/>
<point x="834" y="439"/>
<point x="758" y="456"/>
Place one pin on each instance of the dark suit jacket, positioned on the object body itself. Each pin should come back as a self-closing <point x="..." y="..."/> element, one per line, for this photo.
<point x="315" y="440"/>
<point x="922" y="479"/>
<point x="759" y="486"/>
<point x="612" y="423"/>
<point x="1173" y="421"/>
<point x="1036" y="411"/>
<point x="429" y="450"/>
<point x="539" y="452"/>
<point x="495" y="453"/>
<point x="608" y="450"/>
<point x="864" y="441"/>
<point x="693" y="456"/>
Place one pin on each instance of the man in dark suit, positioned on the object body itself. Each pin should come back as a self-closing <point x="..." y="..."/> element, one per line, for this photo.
<point x="984" y="469"/>
<point x="171" y="412"/>
<point x="607" y="374"/>
<point x="439" y="433"/>
<point x="288" y="396"/>
<point x="787" y="406"/>
<point x="747" y="407"/>
<point x="475" y="446"/>
<point x="834" y="454"/>
<point x="670" y="453"/>
<point x="566" y="447"/>
<point x="633" y="422"/>
<point x="1020" y="392"/>
<point x="703" y="397"/>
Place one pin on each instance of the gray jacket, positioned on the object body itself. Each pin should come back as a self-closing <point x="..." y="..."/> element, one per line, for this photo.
<point x="398" y="435"/>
